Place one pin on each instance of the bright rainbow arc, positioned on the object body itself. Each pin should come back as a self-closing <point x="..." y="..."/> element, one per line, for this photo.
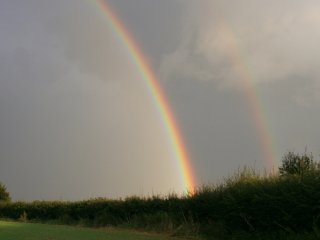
<point x="157" y="94"/>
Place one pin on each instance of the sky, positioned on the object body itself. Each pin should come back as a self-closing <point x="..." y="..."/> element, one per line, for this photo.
<point x="77" y="121"/>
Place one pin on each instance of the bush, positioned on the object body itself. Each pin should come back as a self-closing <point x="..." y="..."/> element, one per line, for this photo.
<point x="296" y="164"/>
<point x="245" y="206"/>
<point x="4" y="194"/>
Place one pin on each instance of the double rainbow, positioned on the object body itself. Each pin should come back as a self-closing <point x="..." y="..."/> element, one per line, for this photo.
<point x="157" y="94"/>
<point x="163" y="106"/>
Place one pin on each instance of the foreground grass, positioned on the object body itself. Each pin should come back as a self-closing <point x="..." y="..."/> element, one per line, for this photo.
<point x="32" y="231"/>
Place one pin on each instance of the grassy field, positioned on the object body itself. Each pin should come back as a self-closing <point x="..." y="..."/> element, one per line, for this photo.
<point x="32" y="231"/>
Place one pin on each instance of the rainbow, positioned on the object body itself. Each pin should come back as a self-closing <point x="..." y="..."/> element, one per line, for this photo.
<point x="237" y="58"/>
<point x="157" y="94"/>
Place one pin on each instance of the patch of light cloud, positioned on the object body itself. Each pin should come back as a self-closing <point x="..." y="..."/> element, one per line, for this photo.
<point x="275" y="40"/>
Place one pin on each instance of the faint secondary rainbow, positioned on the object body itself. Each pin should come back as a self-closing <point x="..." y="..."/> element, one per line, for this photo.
<point x="238" y="60"/>
<point x="156" y="92"/>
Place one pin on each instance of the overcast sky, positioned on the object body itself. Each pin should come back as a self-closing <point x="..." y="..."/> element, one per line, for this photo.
<point x="77" y="121"/>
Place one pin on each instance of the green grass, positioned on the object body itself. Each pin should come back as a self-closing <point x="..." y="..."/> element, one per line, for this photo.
<point x="33" y="231"/>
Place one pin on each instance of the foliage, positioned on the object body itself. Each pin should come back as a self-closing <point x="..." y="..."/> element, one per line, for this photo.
<point x="4" y="194"/>
<point x="247" y="204"/>
<point x="296" y="164"/>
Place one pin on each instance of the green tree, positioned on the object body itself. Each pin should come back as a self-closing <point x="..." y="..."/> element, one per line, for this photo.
<point x="297" y="164"/>
<point x="4" y="194"/>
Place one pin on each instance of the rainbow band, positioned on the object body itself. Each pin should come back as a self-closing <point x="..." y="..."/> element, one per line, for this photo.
<point x="251" y="93"/>
<point x="157" y="94"/>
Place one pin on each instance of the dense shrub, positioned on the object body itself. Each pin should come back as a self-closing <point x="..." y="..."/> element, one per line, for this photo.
<point x="4" y="194"/>
<point x="298" y="164"/>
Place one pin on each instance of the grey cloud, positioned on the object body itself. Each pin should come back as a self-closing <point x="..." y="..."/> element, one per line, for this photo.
<point x="76" y="120"/>
<point x="155" y="25"/>
<point x="275" y="41"/>
<point x="73" y="105"/>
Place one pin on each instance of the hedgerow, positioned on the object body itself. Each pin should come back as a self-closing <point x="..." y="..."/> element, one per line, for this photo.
<point x="246" y="203"/>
